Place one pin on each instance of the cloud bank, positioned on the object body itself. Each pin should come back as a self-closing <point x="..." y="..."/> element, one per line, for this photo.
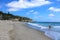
<point x="21" y="4"/>
<point x="54" y="9"/>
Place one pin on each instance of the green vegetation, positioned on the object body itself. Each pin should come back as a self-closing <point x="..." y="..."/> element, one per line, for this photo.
<point x="8" y="16"/>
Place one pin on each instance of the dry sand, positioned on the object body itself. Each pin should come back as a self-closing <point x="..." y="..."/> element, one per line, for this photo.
<point x="5" y="26"/>
<point x="19" y="31"/>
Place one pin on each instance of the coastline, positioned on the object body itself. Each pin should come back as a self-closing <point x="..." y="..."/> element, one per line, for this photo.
<point x="23" y="32"/>
<point x="19" y="31"/>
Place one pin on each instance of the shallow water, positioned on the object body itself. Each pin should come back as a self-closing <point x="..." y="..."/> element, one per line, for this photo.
<point x="55" y="26"/>
<point x="48" y="23"/>
<point x="53" y="33"/>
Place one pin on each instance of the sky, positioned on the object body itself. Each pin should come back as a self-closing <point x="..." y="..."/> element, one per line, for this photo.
<point x="38" y="10"/>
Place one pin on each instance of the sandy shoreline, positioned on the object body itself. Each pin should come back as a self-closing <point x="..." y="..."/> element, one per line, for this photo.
<point x="19" y="31"/>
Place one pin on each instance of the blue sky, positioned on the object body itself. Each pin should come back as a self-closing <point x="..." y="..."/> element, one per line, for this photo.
<point x="38" y="10"/>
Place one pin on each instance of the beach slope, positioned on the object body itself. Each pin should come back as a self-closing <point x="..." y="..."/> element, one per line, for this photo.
<point x="23" y="32"/>
<point x="10" y="30"/>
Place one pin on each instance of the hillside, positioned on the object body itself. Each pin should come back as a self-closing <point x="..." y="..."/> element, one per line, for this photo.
<point x="9" y="16"/>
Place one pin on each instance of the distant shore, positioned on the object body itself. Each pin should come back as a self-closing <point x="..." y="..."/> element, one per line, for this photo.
<point x="10" y="30"/>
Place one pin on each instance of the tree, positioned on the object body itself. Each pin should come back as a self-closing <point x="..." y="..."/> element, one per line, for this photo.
<point x="8" y="16"/>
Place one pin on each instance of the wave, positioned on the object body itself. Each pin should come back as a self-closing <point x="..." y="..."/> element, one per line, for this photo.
<point x="56" y="26"/>
<point x="54" y="33"/>
<point x="37" y="25"/>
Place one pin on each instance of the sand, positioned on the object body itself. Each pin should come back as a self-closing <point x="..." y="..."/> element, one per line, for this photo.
<point x="10" y="30"/>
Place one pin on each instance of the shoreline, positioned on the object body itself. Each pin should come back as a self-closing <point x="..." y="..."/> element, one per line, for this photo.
<point x="27" y="33"/>
<point x="19" y="31"/>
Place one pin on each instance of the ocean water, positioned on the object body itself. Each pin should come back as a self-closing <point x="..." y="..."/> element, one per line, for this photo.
<point x="55" y="26"/>
<point x="48" y="23"/>
<point x="53" y="33"/>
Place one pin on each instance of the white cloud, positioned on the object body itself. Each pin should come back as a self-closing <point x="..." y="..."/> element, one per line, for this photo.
<point x="36" y="13"/>
<point x="51" y="15"/>
<point x="33" y="12"/>
<point x="54" y="9"/>
<point x="29" y="12"/>
<point x="25" y="4"/>
<point x="13" y="9"/>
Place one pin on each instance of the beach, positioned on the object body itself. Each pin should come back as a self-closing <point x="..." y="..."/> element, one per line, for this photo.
<point x="15" y="30"/>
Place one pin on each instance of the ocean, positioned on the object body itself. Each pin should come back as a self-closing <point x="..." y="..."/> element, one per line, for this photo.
<point x="55" y="26"/>
<point x="53" y="33"/>
<point x="48" y="23"/>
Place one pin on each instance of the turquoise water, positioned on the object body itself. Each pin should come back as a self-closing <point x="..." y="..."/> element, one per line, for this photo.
<point x="48" y="23"/>
<point x="53" y="33"/>
<point x="55" y="25"/>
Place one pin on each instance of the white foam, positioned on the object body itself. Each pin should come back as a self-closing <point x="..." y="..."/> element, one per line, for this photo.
<point x="42" y="27"/>
<point x="56" y="26"/>
<point x="52" y="34"/>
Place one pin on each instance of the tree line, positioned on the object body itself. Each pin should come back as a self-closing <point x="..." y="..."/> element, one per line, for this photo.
<point x="9" y="16"/>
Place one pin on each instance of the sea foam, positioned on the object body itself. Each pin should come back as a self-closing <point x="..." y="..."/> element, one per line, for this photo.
<point x="53" y="33"/>
<point x="37" y="25"/>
